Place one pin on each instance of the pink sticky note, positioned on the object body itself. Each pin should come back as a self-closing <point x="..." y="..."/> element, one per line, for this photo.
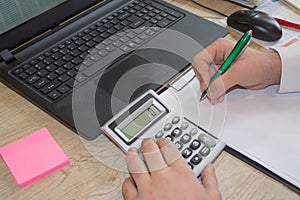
<point x="33" y="157"/>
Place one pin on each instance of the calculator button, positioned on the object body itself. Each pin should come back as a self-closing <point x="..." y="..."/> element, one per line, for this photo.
<point x="185" y="138"/>
<point x="204" y="151"/>
<point x="195" y="144"/>
<point x="170" y="137"/>
<point x="175" y="120"/>
<point x="187" y="152"/>
<point x="176" y="132"/>
<point x="179" y="145"/>
<point x="184" y="125"/>
<point x="196" y="159"/>
<point x="168" y="126"/>
<point x="193" y="131"/>
<point x="207" y="140"/>
<point x="159" y="134"/>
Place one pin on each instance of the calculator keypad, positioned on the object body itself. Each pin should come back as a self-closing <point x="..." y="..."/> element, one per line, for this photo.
<point x="192" y="142"/>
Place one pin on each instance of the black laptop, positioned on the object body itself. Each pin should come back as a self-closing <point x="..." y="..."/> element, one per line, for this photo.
<point x="82" y="61"/>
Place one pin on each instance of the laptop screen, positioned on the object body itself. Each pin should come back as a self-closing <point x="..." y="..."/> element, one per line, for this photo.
<point x="23" y="20"/>
<point x="16" y="12"/>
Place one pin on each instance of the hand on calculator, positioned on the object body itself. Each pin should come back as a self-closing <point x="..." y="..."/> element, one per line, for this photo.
<point x="170" y="179"/>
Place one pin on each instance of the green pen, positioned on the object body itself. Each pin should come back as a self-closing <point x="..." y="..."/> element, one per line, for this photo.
<point x="236" y="51"/>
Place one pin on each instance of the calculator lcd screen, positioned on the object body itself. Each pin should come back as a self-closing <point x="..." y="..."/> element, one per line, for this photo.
<point x="142" y="120"/>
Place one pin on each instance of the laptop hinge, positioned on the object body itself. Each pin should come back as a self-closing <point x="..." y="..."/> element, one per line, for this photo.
<point x="6" y="56"/>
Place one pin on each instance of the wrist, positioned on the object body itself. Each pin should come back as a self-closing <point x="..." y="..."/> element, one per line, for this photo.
<point x="275" y="67"/>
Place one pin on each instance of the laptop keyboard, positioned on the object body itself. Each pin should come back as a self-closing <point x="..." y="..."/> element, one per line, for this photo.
<point x="57" y="71"/>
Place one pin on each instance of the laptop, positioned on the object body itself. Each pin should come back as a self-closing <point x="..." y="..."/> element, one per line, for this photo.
<point x="82" y="61"/>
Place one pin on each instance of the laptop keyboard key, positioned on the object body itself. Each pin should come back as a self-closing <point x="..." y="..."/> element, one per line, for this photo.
<point x="164" y="23"/>
<point x="67" y="58"/>
<point x="63" y="89"/>
<point x="60" y="71"/>
<point x="48" y="61"/>
<point x="33" y="62"/>
<point x="72" y="73"/>
<point x="40" y="83"/>
<point x="83" y="48"/>
<point x="50" y="86"/>
<point x="56" y="55"/>
<point x="173" y="13"/>
<point x="54" y="95"/>
<point x="51" y="68"/>
<point x="52" y="76"/>
<point x="68" y="66"/>
<point x="32" y="79"/>
<point x="64" y="51"/>
<point x="123" y="16"/>
<point x="23" y="75"/>
<point x="42" y="72"/>
<point x="77" y="61"/>
<point x="71" y="83"/>
<point x="79" y="42"/>
<point x="39" y="65"/>
<point x="26" y="66"/>
<point x="64" y="78"/>
<point x="31" y="71"/>
<point x="18" y="70"/>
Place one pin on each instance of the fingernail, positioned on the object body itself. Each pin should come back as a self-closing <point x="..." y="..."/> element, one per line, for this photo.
<point x="147" y="140"/>
<point x="132" y="149"/>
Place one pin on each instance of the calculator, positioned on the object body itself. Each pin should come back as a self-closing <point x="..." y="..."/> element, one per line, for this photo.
<point x="148" y="116"/>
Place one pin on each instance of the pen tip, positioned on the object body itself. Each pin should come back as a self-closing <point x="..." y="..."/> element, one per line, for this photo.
<point x="203" y="96"/>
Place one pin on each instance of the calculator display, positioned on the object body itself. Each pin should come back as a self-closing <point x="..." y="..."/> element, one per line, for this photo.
<point x="136" y="119"/>
<point x="142" y="120"/>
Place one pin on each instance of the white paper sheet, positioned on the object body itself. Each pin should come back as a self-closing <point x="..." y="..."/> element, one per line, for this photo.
<point x="262" y="125"/>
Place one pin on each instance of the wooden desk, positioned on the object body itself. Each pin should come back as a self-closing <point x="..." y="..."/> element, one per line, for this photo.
<point x="88" y="178"/>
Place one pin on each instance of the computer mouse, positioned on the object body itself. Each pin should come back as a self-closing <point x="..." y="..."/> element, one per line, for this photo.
<point x="264" y="26"/>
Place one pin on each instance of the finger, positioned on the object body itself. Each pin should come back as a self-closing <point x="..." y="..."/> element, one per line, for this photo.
<point x="230" y="78"/>
<point x="134" y="163"/>
<point x="219" y="50"/>
<point x="216" y="89"/>
<point x="137" y="167"/>
<point x="201" y="64"/>
<point x="203" y="77"/>
<point x="222" y="84"/>
<point x="168" y="150"/>
<point x="129" y="190"/>
<point x="218" y="100"/>
<point x="153" y="156"/>
<point x="209" y="179"/>
<point x="213" y="101"/>
<point x="221" y="99"/>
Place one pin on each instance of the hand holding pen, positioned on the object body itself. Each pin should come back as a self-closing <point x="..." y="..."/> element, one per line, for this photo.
<point x="253" y="69"/>
<point x="236" y="51"/>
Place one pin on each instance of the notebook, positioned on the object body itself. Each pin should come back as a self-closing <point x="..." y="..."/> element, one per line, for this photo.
<point x="81" y="61"/>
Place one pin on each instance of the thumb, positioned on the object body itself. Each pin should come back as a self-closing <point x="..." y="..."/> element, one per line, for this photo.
<point x="129" y="190"/>
<point x="209" y="180"/>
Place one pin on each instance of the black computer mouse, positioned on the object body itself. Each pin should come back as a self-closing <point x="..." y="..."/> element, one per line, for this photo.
<point x="264" y="26"/>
